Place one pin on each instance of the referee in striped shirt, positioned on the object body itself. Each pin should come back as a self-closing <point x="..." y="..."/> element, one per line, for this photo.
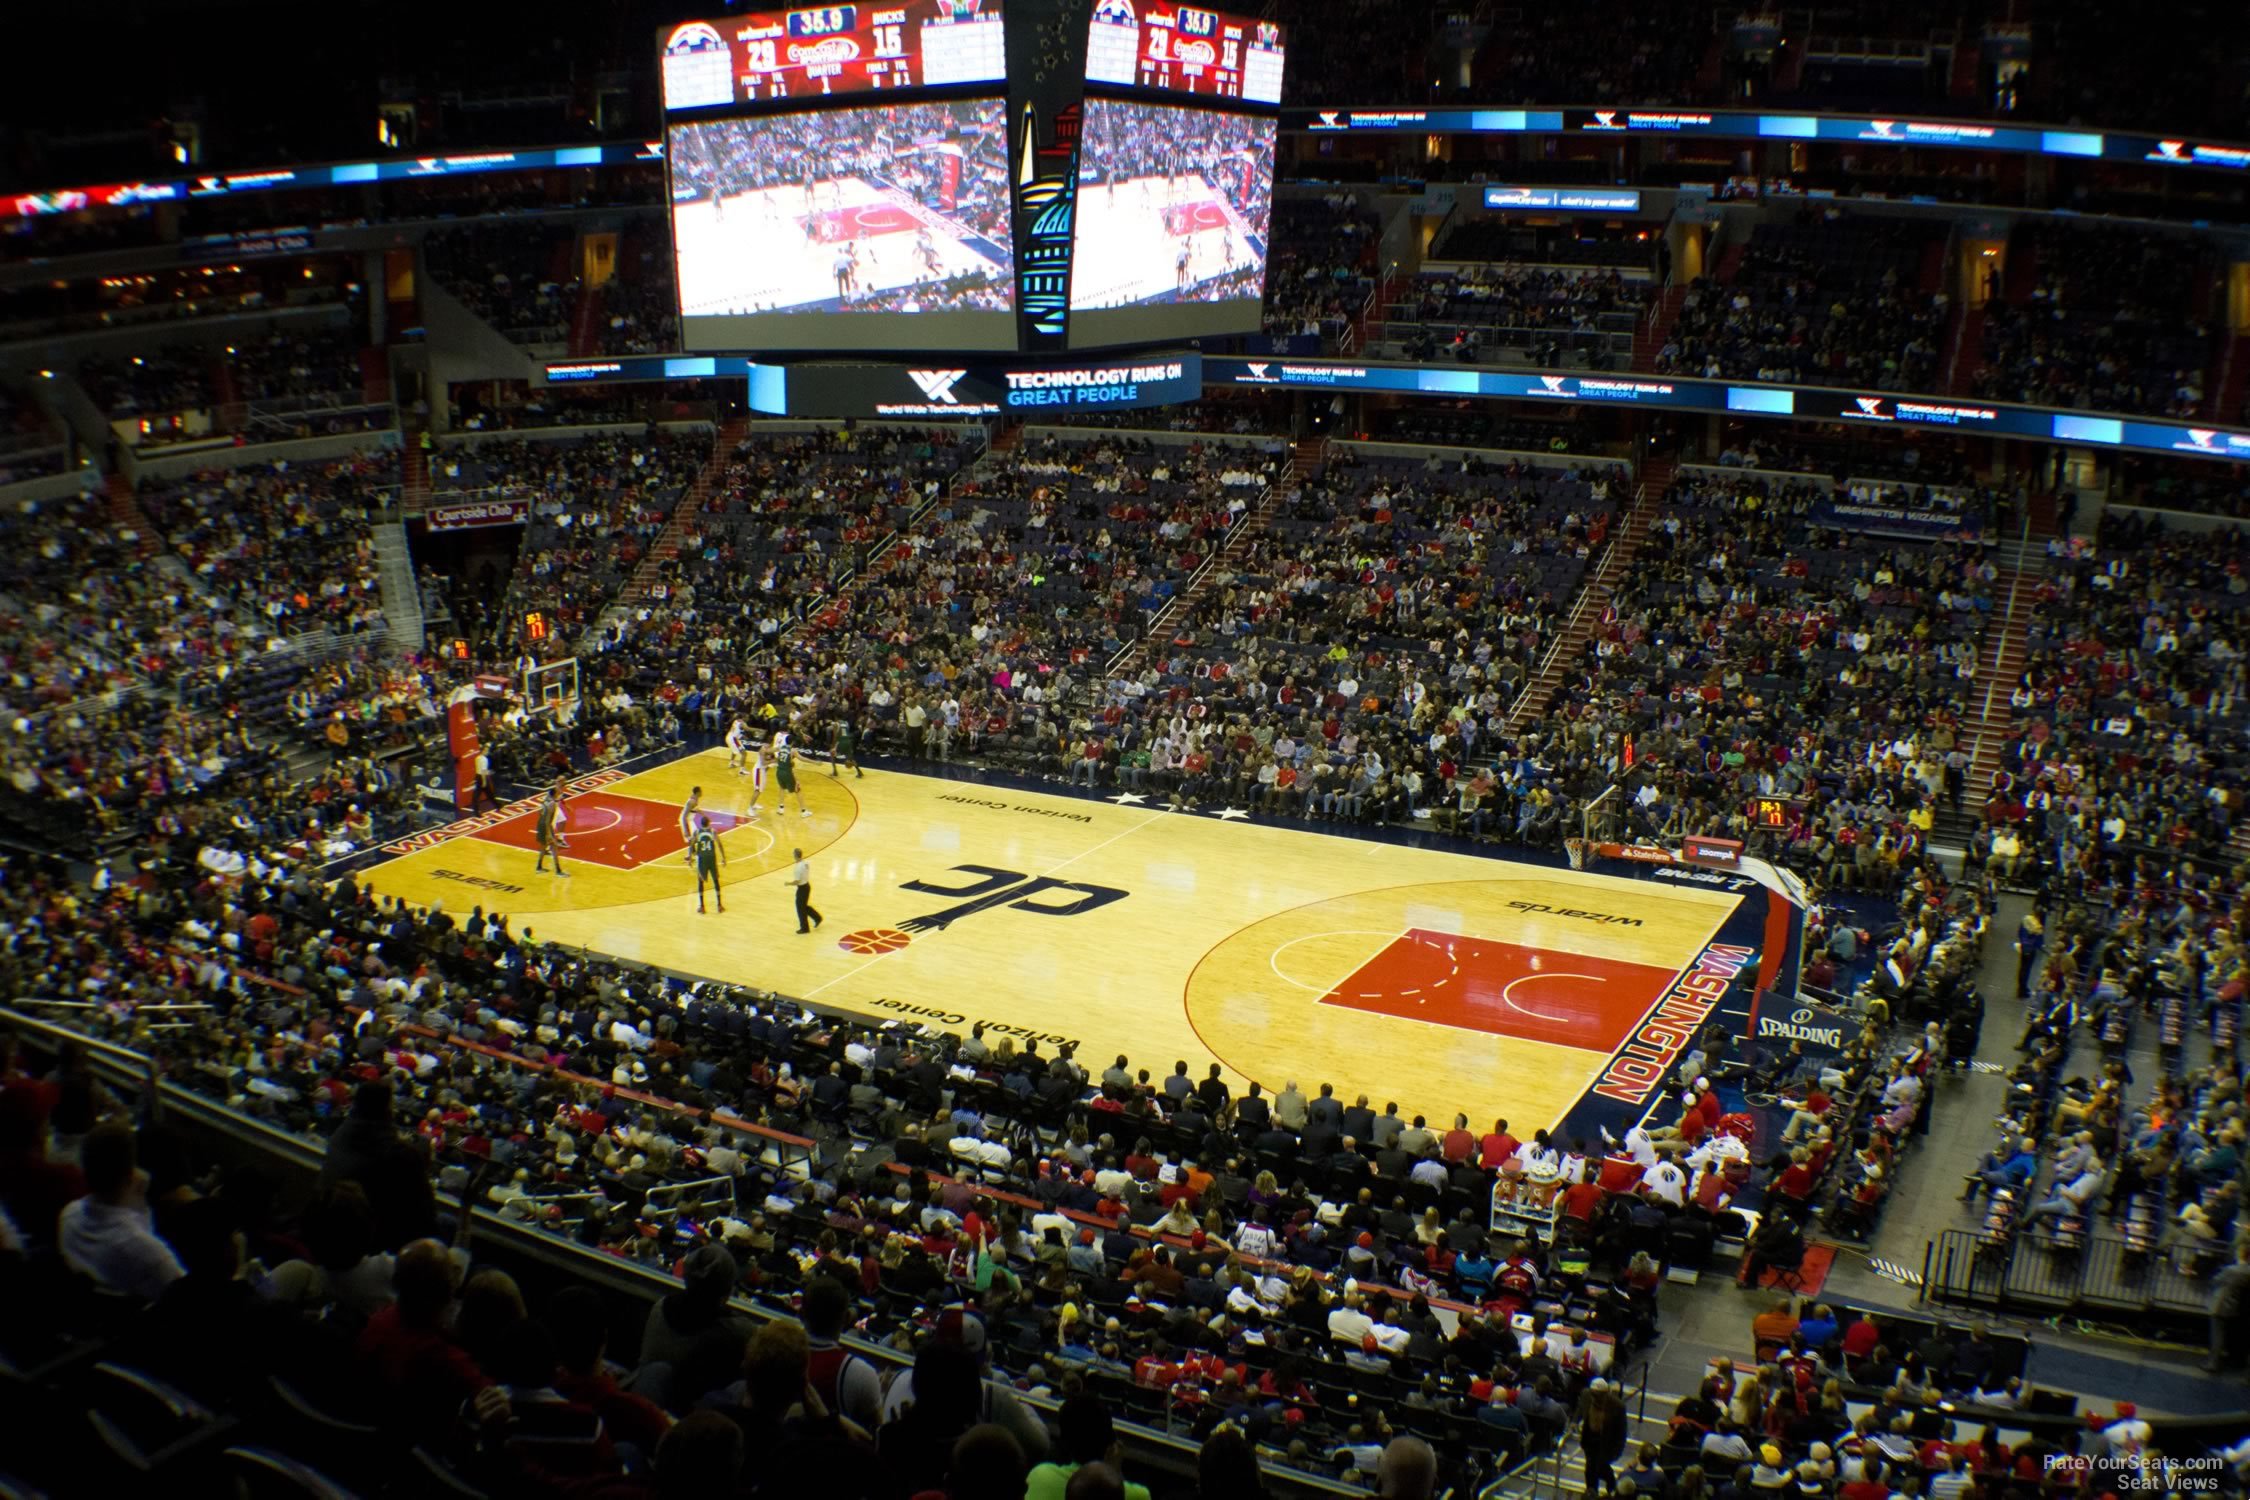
<point x="800" y="876"/>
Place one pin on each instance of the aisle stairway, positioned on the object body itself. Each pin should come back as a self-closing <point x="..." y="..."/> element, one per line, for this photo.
<point x="1563" y="656"/>
<point x="683" y="520"/>
<point x="586" y="322"/>
<point x="2000" y="661"/>
<point x="2229" y="391"/>
<point x="126" y="514"/>
<point x="1304" y="461"/>
<point x="1650" y="332"/>
<point x="1561" y="1470"/>
<point x="402" y="596"/>
<point x="1964" y="352"/>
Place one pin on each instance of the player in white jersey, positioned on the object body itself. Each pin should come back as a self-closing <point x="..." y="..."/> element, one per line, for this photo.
<point x="757" y="777"/>
<point x="738" y="741"/>
<point x="688" y="811"/>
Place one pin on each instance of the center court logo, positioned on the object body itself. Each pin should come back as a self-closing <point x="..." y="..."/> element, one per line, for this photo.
<point x="991" y="889"/>
<point x="938" y="384"/>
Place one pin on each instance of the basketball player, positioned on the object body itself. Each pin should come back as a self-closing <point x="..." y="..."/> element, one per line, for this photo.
<point x="687" y="823"/>
<point x="738" y="740"/>
<point x="708" y="854"/>
<point x="843" y="747"/>
<point x="552" y="819"/>
<point x="758" y="778"/>
<point x="785" y="774"/>
<point x="925" y="250"/>
<point x="1187" y="253"/>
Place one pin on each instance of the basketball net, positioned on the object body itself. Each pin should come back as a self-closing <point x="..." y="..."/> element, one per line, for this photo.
<point x="1577" y="850"/>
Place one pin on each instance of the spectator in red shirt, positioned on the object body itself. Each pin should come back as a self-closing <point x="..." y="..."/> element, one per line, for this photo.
<point x="1869" y="1486"/>
<point x="1582" y="1199"/>
<point x="1805" y="1117"/>
<point x="33" y="1188"/>
<point x="407" y="1348"/>
<point x="1688" y="1133"/>
<point x="1861" y="1338"/>
<point x="1796" y="1182"/>
<point x="1459" y="1142"/>
<point x="1497" y="1147"/>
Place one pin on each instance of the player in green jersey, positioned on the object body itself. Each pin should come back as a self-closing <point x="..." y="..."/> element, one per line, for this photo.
<point x="709" y="855"/>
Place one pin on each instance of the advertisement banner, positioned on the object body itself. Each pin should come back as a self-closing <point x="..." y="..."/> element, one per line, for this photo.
<point x="1777" y="1020"/>
<point x="1874" y="518"/>
<point x="971" y="391"/>
<point x="1564" y="199"/>
<point x="471" y="514"/>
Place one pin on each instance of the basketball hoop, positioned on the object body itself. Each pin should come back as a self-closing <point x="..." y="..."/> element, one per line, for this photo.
<point x="1577" y="850"/>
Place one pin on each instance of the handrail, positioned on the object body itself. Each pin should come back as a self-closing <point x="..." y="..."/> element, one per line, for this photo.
<point x="1597" y="579"/>
<point x="1250" y="516"/>
<point x="2000" y="645"/>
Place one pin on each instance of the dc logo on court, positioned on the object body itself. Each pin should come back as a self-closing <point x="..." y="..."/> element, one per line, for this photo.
<point x="938" y="384"/>
<point x="992" y="888"/>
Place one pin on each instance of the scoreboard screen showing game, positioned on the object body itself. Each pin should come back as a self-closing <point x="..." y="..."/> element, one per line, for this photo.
<point x="830" y="49"/>
<point x="871" y="226"/>
<point x="1145" y="44"/>
<point x="1173" y="209"/>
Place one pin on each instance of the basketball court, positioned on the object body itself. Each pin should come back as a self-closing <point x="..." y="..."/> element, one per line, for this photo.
<point x="775" y="248"/>
<point x="1131" y="233"/>
<point x="1445" y="980"/>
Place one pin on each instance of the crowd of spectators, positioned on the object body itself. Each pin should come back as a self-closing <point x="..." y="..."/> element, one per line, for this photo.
<point x="167" y="378"/>
<point x="315" y="366"/>
<point x="1161" y="1246"/>
<point x="1752" y="650"/>
<point x="289" y="544"/>
<point x="1827" y="300"/>
<point x="2128" y="721"/>
<point x="1359" y="657"/>
<point x="596" y="504"/>
<point x="639" y="312"/>
<point x="192" y="621"/>
<point x="2110" y="323"/>
<point x="1536" y="312"/>
<point x="518" y="276"/>
<point x="1322" y="267"/>
<point x="288" y="363"/>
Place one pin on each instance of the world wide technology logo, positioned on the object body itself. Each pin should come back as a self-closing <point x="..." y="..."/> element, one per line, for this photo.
<point x="938" y="384"/>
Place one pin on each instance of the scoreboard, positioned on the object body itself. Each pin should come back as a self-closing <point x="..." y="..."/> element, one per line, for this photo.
<point x="831" y="49"/>
<point x="1183" y="50"/>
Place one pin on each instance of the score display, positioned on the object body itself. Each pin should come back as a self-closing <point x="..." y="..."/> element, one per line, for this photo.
<point x="1184" y="50"/>
<point x="831" y="49"/>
